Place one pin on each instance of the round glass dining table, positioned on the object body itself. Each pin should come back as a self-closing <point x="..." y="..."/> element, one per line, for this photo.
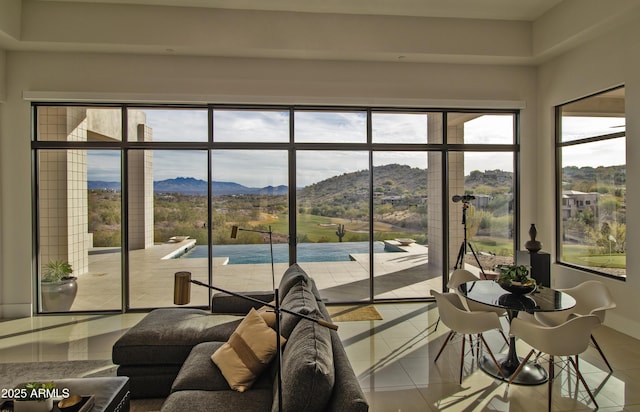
<point x="543" y="299"/>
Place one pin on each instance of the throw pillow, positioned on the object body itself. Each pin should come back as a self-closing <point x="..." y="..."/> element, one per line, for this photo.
<point x="291" y="277"/>
<point x="247" y="353"/>
<point x="308" y="373"/>
<point x="268" y="314"/>
<point x="298" y="300"/>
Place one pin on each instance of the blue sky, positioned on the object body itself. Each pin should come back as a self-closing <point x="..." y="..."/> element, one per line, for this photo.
<point x="263" y="168"/>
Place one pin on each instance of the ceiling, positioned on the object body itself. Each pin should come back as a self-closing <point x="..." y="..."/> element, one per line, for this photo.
<point x="526" y="10"/>
<point x="512" y="32"/>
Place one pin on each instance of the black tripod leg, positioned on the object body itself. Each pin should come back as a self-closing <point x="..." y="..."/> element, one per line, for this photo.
<point x="460" y="260"/>
<point x="459" y="264"/>
<point x="477" y="260"/>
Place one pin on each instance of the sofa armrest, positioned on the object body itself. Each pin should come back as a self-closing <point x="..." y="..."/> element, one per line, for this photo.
<point x="229" y="304"/>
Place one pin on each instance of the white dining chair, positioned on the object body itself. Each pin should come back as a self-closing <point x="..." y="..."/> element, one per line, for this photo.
<point x="592" y="298"/>
<point x="460" y="276"/>
<point x="569" y="339"/>
<point x="464" y="322"/>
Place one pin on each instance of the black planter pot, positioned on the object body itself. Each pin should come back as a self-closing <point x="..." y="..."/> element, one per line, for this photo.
<point x="59" y="296"/>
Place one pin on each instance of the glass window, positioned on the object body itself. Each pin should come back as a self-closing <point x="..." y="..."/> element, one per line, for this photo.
<point x="167" y="125"/>
<point x="403" y="128"/>
<point x="167" y="220"/>
<point x="78" y="124"/>
<point x="482" y="210"/>
<point x="79" y="219"/>
<point x="403" y="215"/>
<point x="333" y="221"/>
<point x="479" y="128"/>
<point x="366" y="218"/>
<point x="330" y="127"/>
<point x="249" y="201"/>
<point x="250" y="126"/>
<point x="592" y="199"/>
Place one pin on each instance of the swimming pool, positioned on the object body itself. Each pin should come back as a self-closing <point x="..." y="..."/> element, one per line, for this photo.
<point x="307" y="252"/>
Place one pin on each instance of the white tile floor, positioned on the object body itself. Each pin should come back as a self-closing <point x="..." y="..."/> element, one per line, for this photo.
<point x="393" y="359"/>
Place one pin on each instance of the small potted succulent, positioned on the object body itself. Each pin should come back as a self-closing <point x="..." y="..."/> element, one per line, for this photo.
<point x="34" y="397"/>
<point x="59" y="287"/>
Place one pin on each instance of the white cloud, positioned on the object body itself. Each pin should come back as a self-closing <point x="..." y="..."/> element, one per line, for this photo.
<point x="490" y="129"/>
<point x="175" y="125"/>
<point x="250" y="126"/>
<point x="103" y="165"/>
<point x="604" y="153"/>
<point x="261" y="168"/>
<point x="330" y="127"/>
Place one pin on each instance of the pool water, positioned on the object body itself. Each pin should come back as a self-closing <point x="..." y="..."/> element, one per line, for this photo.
<point x="307" y="252"/>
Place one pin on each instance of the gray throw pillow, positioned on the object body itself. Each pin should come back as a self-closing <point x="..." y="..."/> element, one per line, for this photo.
<point x="308" y="374"/>
<point x="292" y="276"/>
<point x="298" y="300"/>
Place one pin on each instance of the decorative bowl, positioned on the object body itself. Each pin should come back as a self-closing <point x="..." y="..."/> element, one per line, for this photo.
<point x="71" y="404"/>
<point x="517" y="289"/>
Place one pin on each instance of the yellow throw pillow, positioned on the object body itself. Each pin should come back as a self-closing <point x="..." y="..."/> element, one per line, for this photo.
<point x="247" y="353"/>
<point x="268" y="314"/>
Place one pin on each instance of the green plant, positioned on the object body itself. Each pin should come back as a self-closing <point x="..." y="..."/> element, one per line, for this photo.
<point x="514" y="275"/>
<point x="56" y="270"/>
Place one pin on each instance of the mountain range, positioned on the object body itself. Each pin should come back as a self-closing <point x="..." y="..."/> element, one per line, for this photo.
<point x="192" y="186"/>
<point x="390" y="180"/>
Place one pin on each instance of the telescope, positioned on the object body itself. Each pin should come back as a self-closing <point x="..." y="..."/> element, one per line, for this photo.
<point x="464" y="198"/>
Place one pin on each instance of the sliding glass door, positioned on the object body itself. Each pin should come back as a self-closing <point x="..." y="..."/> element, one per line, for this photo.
<point x="249" y="218"/>
<point x="332" y="231"/>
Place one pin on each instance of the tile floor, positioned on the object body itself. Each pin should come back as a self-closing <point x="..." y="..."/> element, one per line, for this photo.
<point x="393" y="359"/>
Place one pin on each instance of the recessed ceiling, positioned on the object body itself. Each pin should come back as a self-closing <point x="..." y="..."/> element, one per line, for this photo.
<point x="527" y="10"/>
<point x="512" y="32"/>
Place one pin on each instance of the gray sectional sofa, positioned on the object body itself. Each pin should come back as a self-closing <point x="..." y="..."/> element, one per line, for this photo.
<point x="168" y="354"/>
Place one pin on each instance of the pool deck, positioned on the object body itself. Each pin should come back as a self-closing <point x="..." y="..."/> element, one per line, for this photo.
<point x="398" y="275"/>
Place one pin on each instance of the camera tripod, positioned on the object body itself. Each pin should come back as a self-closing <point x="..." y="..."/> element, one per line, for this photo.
<point x="465" y="243"/>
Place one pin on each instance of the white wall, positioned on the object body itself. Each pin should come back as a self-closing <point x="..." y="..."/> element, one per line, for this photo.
<point x="222" y="80"/>
<point x="610" y="60"/>
<point x="3" y="75"/>
<point x="2" y="97"/>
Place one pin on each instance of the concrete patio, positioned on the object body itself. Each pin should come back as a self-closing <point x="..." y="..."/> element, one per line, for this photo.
<point x="399" y="275"/>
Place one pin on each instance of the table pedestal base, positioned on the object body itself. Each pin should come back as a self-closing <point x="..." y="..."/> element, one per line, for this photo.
<point x="531" y="374"/>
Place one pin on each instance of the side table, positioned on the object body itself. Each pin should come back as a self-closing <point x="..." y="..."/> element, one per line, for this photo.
<point x="110" y="394"/>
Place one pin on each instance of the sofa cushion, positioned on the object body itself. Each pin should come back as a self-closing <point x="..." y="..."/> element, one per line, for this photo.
<point x="308" y="374"/>
<point x="255" y="400"/>
<point x="150" y="381"/>
<point x="166" y="336"/>
<point x="292" y="276"/>
<point x="200" y="373"/>
<point x="247" y="353"/>
<point x="347" y="394"/>
<point x="230" y="304"/>
<point x="300" y="299"/>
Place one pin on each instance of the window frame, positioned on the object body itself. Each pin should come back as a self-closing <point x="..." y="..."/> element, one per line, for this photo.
<point x="125" y="146"/>
<point x="560" y="201"/>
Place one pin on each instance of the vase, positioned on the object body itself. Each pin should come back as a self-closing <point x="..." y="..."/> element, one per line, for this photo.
<point x="59" y="296"/>
<point x="532" y="245"/>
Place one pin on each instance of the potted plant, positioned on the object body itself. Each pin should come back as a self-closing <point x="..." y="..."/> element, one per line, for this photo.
<point x="34" y="397"/>
<point x="515" y="279"/>
<point x="59" y="288"/>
